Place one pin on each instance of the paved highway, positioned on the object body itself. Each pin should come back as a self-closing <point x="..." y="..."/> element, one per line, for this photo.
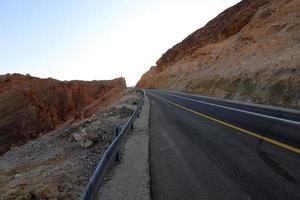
<point x="204" y="148"/>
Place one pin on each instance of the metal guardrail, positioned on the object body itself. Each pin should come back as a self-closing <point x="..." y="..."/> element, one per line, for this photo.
<point x="93" y="186"/>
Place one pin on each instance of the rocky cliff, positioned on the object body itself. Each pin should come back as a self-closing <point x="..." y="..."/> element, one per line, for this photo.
<point x="249" y="52"/>
<point x="30" y="106"/>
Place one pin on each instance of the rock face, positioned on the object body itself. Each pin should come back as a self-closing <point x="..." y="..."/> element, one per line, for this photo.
<point x="31" y="106"/>
<point x="250" y="52"/>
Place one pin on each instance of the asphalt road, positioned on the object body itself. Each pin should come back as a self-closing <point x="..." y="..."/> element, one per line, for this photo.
<point x="203" y="148"/>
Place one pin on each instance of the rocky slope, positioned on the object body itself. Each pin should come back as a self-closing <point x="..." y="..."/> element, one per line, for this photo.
<point x="249" y="52"/>
<point x="58" y="164"/>
<point x="30" y="106"/>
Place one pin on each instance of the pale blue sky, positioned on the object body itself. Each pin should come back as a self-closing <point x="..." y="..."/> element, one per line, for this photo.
<point x="95" y="39"/>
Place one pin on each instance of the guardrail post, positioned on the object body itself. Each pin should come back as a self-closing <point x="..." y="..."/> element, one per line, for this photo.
<point x="131" y="126"/>
<point x="117" y="158"/>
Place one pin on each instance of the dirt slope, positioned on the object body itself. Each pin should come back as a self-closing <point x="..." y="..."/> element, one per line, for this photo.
<point x="30" y="106"/>
<point x="250" y="52"/>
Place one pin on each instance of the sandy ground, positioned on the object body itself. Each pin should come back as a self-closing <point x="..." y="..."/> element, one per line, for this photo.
<point x="130" y="180"/>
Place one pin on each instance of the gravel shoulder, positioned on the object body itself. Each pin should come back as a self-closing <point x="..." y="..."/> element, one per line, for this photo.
<point x="130" y="179"/>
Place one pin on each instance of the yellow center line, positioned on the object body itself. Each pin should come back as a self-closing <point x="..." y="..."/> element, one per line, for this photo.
<point x="280" y="144"/>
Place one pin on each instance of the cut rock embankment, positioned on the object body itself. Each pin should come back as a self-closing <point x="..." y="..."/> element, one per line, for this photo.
<point x="249" y="52"/>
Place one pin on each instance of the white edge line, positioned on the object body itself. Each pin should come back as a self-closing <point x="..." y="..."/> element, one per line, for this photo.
<point x="255" y="105"/>
<point x="235" y="109"/>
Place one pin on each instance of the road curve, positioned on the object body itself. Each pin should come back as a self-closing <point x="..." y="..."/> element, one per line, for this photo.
<point x="203" y="148"/>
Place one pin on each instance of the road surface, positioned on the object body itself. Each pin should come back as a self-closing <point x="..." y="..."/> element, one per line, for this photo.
<point x="202" y="148"/>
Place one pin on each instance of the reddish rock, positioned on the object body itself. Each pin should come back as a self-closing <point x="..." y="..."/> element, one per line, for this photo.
<point x="249" y="52"/>
<point x="31" y="106"/>
<point x="226" y="24"/>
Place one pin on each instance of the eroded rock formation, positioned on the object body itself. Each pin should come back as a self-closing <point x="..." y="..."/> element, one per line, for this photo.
<point x="249" y="52"/>
<point x="30" y="106"/>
